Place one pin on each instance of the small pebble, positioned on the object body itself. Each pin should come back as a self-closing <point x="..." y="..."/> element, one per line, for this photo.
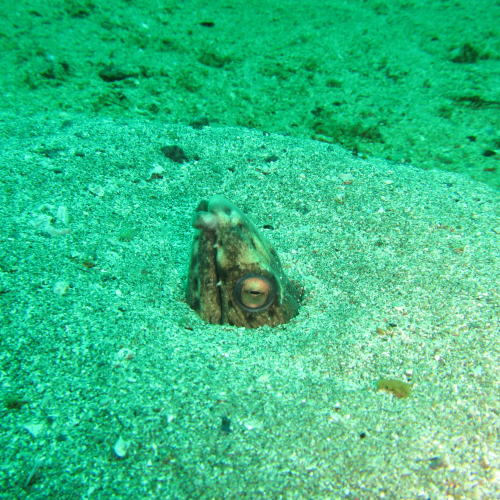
<point x="35" y="428"/>
<point x="121" y="447"/>
<point x="61" y="287"/>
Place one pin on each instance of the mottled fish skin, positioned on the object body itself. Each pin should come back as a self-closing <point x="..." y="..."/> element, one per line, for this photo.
<point x="235" y="276"/>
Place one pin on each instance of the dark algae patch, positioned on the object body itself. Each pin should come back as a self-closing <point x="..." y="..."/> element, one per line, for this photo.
<point x="398" y="388"/>
<point x="12" y="402"/>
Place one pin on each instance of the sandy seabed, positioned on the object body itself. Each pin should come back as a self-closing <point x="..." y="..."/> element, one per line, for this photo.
<point x="113" y="388"/>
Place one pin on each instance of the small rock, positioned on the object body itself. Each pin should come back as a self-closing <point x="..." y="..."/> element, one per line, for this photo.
<point x="61" y="287"/>
<point x="121" y="447"/>
<point x="35" y="428"/>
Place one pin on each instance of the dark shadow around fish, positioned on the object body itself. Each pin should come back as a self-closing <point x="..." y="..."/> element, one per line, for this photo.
<point x="235" y="275"/>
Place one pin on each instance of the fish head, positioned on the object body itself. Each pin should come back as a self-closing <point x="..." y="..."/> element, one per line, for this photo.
<point x="235" y="275"/>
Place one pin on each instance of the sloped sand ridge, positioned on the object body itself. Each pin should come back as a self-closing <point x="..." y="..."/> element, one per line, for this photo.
<point x="113" y="387"/>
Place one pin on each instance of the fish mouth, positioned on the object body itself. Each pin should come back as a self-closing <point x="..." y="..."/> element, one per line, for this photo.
<point x="212" y="213"/>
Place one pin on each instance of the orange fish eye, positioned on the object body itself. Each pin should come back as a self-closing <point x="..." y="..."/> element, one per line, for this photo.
<point x="254" y="292"/>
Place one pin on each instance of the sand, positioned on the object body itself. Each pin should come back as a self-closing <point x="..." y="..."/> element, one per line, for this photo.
<point x="113" y="388"/>
<point x="361" y="137"/>
<point x="414" y="82"/>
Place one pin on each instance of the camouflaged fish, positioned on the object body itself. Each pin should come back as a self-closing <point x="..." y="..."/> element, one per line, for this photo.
<point x="235" y="276"/>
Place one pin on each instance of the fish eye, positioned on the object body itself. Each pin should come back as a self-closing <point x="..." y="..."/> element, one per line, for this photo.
<point x="254" y="292"/>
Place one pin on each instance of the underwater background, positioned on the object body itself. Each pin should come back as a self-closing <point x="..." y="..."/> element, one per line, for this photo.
<point x="361" y="137"/>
